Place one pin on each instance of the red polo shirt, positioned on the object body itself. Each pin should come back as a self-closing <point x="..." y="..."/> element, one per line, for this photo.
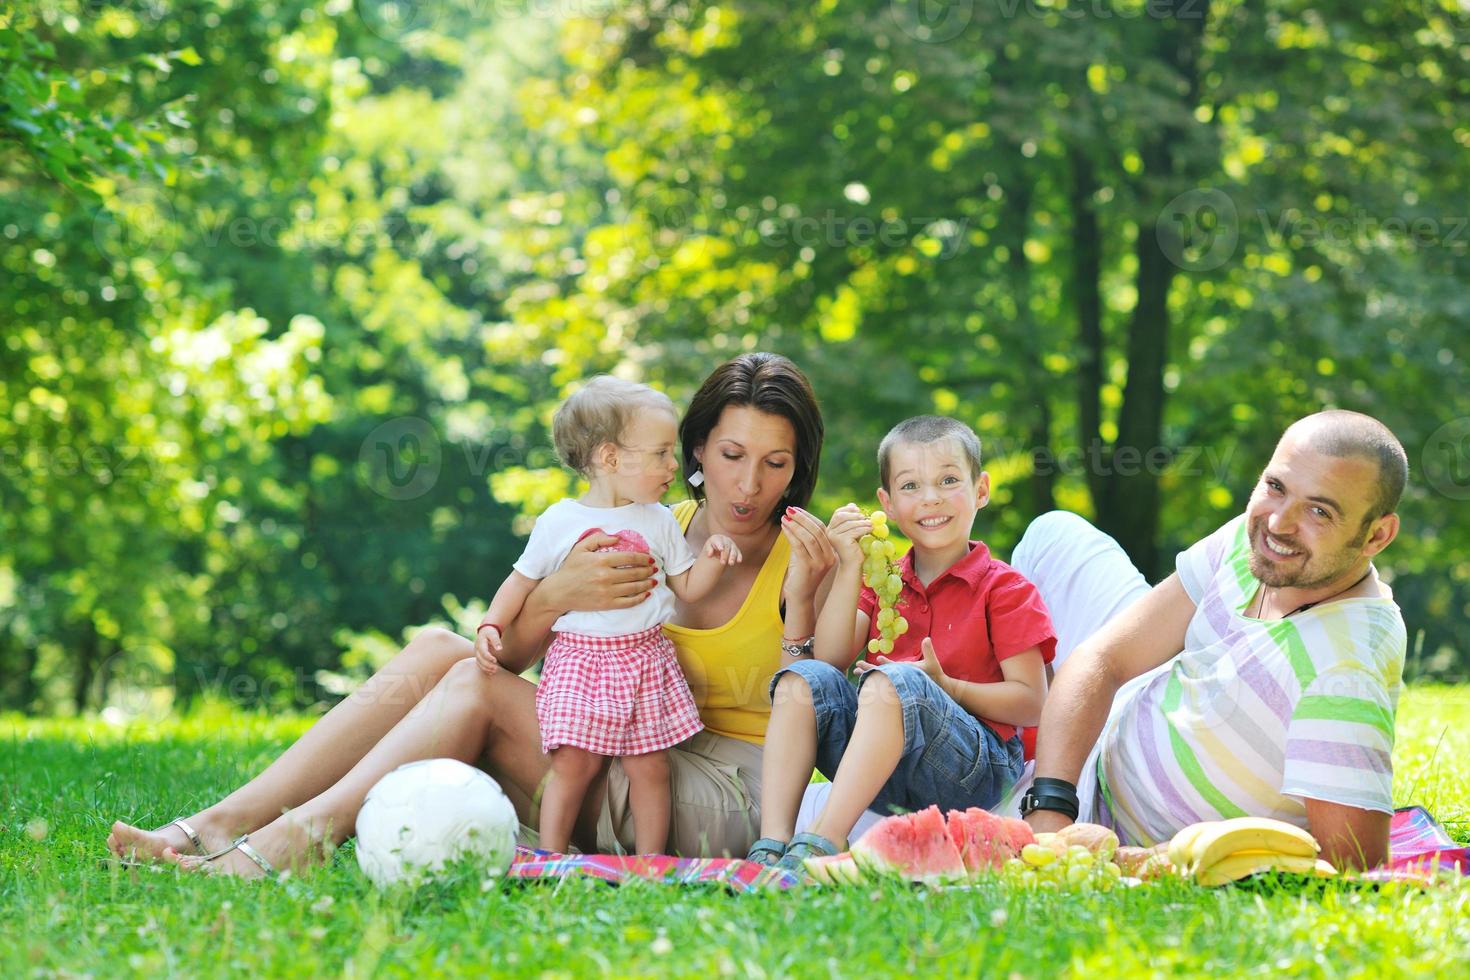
<point x="977" y="612"/>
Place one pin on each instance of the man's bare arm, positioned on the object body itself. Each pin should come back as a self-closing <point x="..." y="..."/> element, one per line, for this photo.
<point x="1138" y="639"/>
<point x="1350" y="837"/>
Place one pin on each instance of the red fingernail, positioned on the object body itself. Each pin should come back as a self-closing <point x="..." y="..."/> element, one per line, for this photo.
<point x="791" y="510"/>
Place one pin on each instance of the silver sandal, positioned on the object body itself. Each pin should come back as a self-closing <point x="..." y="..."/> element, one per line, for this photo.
<point x="242" y="844"/>
<point x="195" y="841"/>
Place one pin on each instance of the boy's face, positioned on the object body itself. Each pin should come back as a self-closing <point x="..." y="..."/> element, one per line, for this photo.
<point x="933" y="497"/>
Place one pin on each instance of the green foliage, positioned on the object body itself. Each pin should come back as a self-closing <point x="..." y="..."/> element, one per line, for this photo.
<point x="289" y="289"/>
<point x="63" y="911"/>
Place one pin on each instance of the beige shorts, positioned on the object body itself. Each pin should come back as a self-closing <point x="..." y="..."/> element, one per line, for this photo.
<point x="716" y="792"/>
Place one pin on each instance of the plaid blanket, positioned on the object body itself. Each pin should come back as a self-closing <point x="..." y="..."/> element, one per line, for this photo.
<point x="737" y="874"/>
<point x="1419" y="850"/>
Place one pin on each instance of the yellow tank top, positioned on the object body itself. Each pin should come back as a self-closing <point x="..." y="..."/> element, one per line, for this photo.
<point x="729" y="667"/>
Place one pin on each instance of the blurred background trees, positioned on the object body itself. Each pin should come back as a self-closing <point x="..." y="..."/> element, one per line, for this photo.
<point x="290" y="287"/>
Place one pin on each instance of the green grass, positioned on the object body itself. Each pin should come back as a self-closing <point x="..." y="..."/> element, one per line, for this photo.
<point x="62" y="912"/>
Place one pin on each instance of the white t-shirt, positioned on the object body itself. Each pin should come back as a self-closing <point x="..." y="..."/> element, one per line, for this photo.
<point x="647" y="528"/>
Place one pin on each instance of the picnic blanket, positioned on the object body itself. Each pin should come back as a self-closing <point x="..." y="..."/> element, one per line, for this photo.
<point x="737" y="874"/>
<point x="1419" y="848"/>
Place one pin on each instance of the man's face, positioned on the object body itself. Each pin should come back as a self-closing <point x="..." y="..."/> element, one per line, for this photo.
<point x="1306" y="515"/>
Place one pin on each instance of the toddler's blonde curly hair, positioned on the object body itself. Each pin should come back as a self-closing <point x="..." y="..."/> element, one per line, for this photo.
<point x="598" y="413"/>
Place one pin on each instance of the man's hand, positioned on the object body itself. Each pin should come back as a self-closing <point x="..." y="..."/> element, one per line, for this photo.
<point x="1047" y="821"/>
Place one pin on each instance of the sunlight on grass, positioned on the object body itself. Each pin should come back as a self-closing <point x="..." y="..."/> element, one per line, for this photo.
<point x="65" y="912"/>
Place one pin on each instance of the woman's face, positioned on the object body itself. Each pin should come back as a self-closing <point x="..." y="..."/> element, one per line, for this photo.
<point x="748" y="461"/>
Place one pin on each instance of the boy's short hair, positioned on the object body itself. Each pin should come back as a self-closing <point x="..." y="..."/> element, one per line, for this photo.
<point x="926" y="429"/>
<point x="598" y="413"/>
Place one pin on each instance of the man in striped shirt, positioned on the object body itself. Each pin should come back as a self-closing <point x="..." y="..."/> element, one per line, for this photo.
<point x="1260" y="679"/>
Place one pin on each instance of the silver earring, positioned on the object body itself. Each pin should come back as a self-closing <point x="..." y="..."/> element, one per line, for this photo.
<point x="696" y="478"/>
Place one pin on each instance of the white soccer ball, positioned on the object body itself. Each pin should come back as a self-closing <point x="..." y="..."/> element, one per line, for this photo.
<point x="423" y="815"/>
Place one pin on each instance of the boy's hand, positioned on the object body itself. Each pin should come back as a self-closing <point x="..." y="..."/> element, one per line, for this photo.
<point x="846" y="528"/>
<point x="928" y="663"/>
<point x="487" y="640"/>
<point x="722" y="547"/>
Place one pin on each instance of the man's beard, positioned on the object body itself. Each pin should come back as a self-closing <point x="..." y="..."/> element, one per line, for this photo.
<point x="1311" y="574"/>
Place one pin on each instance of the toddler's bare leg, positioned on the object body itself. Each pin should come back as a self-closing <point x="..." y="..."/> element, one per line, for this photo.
<point x="650" y="796"/>
<point x="573" y="770"/>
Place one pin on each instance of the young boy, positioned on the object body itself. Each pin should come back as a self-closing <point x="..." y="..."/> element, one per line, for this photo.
<point x="935" y="721"/>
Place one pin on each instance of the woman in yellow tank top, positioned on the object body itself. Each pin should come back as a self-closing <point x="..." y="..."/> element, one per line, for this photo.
<point x="751" y="441"/>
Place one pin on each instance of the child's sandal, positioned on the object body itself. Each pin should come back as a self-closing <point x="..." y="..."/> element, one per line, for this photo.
<point x="766" y="851"/>
<point x="805" y="846"/>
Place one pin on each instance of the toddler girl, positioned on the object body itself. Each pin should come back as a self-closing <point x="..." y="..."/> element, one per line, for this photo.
<point x="610" y="683"/>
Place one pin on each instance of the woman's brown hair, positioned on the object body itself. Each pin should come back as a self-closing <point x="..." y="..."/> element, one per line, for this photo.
<point x="771" y="384"/>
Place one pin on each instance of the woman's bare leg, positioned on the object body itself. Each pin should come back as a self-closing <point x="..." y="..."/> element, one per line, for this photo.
<point x="471" y="716"/>
<point x="320" y="757"/>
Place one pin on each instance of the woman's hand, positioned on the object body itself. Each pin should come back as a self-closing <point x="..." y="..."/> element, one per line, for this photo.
<point x="592" y="581"/>
<point x="812" y="556"/>
<point x="847" y="527"/>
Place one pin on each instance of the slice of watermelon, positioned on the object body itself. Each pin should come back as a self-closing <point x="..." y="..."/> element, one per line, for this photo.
<point x="981" y="838"/>
<point x="833" y="869"/>
<point x="915" y="846"/>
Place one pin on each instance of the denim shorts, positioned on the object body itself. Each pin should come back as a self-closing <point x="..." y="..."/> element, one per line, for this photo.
<point x="950" y="758"/>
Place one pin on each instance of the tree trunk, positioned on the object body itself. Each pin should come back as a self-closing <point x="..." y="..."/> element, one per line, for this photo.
<point x="1087" y="299"/>
<point x="89" y="654"/>
<point x="1131" y="500"/>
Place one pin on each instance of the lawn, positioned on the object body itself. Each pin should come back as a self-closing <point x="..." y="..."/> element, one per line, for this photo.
<point x="64" y="913"/>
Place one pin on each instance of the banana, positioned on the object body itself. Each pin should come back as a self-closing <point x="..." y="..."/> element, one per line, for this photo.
<point x="1180" y="845"/>
<point x="1242" y="864"/>
<point x="1227" y="837"/>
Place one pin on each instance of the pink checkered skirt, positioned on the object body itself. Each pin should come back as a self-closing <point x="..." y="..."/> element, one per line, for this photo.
<point x="614" y="695"/>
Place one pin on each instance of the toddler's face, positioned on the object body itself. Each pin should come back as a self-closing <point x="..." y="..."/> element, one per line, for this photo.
<point x="646" y="460"/>
<point x="933" y="497"/>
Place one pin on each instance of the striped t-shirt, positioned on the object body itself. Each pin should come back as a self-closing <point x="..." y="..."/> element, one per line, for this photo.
<point x="1254" y="716"/>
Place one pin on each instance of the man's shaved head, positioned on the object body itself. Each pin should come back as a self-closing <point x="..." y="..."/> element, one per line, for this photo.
<point x="1341" y="433"/>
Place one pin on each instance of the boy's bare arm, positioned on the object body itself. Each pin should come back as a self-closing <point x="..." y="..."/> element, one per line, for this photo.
<point x="1016" y="700"/>
<point x="841" y="629"/>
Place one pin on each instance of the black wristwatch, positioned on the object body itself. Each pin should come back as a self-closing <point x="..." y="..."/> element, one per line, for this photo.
<point x="1051" y="794"/>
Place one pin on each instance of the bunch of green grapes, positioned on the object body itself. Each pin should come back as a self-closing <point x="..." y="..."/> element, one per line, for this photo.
<point x="1049" y="864"/>
<point x="880" y="573"/>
